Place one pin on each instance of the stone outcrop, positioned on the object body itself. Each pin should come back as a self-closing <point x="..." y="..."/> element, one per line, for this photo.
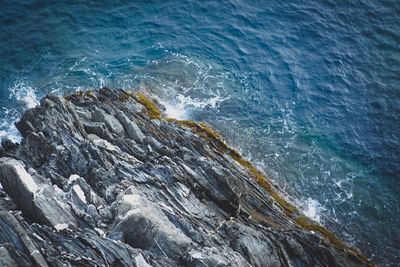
<point x="104" y="179"/>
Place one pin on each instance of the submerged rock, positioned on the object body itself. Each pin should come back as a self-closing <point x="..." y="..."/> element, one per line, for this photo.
<point x="104" y="179"/>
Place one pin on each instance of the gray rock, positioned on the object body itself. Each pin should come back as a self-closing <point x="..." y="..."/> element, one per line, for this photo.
<point x="131" y="128"/>
<point x="40" y="201"/>
<point x="145" y="226"/>
<point x="9" y="257"/>
<point x="12" y="232"/>
<point x="110" y="121"/>
<point x="99" y="129"/>
<point x="18" y="183"/>
<point x="100" y="183"/>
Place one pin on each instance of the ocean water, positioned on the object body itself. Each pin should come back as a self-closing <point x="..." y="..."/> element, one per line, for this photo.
<point x="309" y="91"/>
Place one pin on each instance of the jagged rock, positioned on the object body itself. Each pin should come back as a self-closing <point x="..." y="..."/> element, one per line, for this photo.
<point x="131" y="128"/>
<point x="103" y="179"/>
<point x="13" y="233"/>
<point x="110" y="121"/>
<point x="9" y="257"/>
<point x="145" y="226"/>
<point x="41" y="202"/>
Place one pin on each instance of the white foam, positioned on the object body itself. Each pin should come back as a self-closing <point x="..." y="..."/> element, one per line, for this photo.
<point x="25" y="93"/>
<point x="181" y="106"/>
<point x="30" y="99"/>
<point x="3" y="133"/>
<point x="175" y="111"/>
<point x="10" y="132"/>
<point x="96" y="78"/>
<point x="312" y="209"/>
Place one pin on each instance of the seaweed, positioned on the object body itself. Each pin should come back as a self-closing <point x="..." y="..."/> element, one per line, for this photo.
<point x="308" y="224"/>
<point x="215" y="139"/>
<point x="151" y="108"/>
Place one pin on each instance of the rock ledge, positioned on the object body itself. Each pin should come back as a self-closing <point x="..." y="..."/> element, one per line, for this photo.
<point x="103" y="178"/>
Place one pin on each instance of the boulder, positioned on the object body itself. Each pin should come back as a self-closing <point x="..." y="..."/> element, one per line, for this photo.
<point x="103" y="178"/>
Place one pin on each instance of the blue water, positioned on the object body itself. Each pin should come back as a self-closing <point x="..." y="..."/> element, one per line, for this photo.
<point x="308" y="91"/>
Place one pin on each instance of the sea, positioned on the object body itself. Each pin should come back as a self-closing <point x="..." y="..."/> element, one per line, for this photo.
<point x="307" y="90"/>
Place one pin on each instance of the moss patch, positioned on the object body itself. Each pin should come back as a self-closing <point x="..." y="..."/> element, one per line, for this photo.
<point x="216" y="140"/>
<point x="308" y="224"/>
<point x="205" y="131"/>
<point x="151" y="108"/>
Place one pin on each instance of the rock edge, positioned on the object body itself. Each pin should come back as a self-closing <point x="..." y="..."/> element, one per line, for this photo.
<point x="103" y="178"/>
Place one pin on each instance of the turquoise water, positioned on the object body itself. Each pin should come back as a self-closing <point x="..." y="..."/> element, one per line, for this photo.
<point x="308" y="91"/>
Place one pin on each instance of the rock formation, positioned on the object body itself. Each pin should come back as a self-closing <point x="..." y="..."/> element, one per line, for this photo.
<point x="102" y="178"/>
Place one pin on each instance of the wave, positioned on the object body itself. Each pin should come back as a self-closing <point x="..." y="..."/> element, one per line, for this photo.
<point x="22" y="97"/>
<point x="181" y="107"/>
<point x="24" y="93"/>
<point x="184" y="84"/>
<point x="312" y="209"/>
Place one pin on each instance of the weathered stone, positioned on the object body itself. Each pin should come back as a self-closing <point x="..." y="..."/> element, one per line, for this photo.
<point x="9" y="257"/>
<point x="99" y="129"/>
<point x="13" y="233"/>
<point x="112" y="123"/>
<point x="41" y="202"/>
<point x="145" y="226"/>
<point x="102" y="179"/>
<point x="131" y="128"/>
<point x="18" y="183"/>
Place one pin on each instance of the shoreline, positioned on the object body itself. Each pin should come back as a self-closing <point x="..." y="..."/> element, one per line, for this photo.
<point x="108" y="167"/>
<point x="206" y="131"/>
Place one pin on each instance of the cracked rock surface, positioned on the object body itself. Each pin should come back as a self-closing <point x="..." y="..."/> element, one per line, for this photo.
<point x="96" y="181"/>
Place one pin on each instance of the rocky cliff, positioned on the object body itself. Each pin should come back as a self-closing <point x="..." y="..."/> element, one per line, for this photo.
<point x="103" y="178"/>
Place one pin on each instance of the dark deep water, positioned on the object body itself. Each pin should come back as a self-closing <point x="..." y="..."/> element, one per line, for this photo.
<point x="308" y="91"/>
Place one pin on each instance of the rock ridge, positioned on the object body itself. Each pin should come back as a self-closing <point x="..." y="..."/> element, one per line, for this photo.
<point x="103" y="178"/>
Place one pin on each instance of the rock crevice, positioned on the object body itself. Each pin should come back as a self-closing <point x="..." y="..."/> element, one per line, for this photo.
<point x="102" y="178"/>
